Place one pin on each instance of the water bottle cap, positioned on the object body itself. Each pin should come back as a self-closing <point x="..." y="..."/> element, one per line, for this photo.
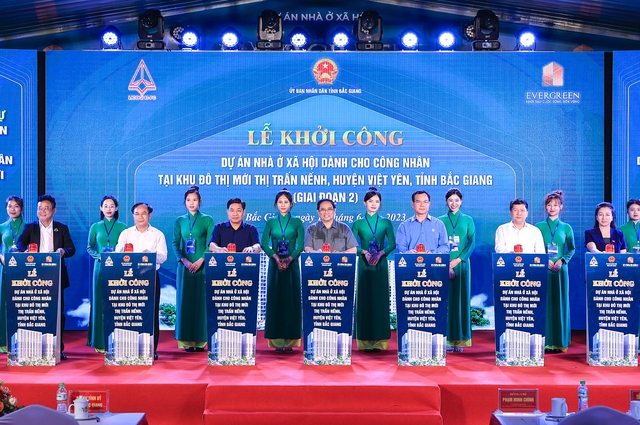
<point x="61" y="384"/>
<point x="582" y="382"/>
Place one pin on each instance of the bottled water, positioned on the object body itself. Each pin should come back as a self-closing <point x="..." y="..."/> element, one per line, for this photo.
<point x="61" y="398"/>
<point x="583" y="396"/>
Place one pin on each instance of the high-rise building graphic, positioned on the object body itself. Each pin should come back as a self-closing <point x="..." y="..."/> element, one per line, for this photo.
<point x="32" y="347"/>
<point x="421" y="347"/>
<point x="328" y="347"/>
<point x="232" y="347"/>
<point x="262" y="291"/>
<point x="521" y="348"/>
<point x="614" y="348"/>
<point x="129" y="347"/>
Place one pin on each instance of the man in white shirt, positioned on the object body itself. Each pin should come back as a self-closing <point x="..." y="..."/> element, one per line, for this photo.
<point x="146" y="238"/>
<point x="518" y="232"/>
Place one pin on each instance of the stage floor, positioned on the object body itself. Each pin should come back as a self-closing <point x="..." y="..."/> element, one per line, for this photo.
<point x="180" y="386"/>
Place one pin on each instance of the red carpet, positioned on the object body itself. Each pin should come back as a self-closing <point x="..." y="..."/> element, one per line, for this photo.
<point x="180" y="388"/>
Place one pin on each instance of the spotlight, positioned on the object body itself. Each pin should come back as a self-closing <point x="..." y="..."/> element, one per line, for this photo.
<point x="230" y="39"/>
<point x="269" y="31"/>
<point x="487" y="31"/>
<point x="526" y="40"/>
<point x="299" y="39"/>
<point x="110" y="39"/>
<point x="369" y="31"/>
<point x="469" y="30"/>
<point x="446" y="40"/>
<point x="409" y="40"/>
<point x="340" y="39"/>
<point x="190" y="39"/>
<point x="186" y="37"/>
<point x="151" y="30"/>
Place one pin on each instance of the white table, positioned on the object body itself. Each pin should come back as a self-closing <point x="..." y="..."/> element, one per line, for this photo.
<point x="117" y="419"/>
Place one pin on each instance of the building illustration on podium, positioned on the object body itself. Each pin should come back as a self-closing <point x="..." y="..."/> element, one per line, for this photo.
<point x="129" y="348"/>
<point x="230" y="347"/>
<point x="32" y="348"/>
<point x="325" y="347"/>
<point x="421" y="348"/>
<point x="519" y="348"/>
<point x="613" y="348"/>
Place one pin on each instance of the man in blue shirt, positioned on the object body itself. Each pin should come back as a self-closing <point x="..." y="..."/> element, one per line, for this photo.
<point x="422" y="228"/>
<point x="236" y="231"/>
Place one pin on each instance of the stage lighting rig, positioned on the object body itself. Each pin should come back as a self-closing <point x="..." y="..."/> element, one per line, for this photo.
<point x="110" y="39"/>
<point x="368" y="31"/>
<point x="409" y="40"/>
<point x="299" y="39"/>
<point x="487" y="31"/>
<point x="151" y="30"/>
<point x="340" y="39"/>
<point x="230" y="39"/>
<point x="187" y="37"/>
<point x="526" y="40"/>
<point x="269" y="31"/>
<point x="446" y="40"/>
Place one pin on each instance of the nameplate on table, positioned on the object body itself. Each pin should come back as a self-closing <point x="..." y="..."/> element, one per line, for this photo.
<point x="518" y="400"/>
<point x="98" y="400"/>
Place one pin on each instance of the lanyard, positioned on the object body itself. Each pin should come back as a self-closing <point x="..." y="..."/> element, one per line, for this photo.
<point x="192" y="225"/>
<point x="285" y="226"/>
<point x="453" y="225"/>
<point x="113" y="223"/>
<point x="13" y="235"/>
<point x="372" y="230"/>
<point x="553" y="233"/>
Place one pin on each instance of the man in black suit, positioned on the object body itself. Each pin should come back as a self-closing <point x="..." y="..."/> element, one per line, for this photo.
<point x="50" y="236"/>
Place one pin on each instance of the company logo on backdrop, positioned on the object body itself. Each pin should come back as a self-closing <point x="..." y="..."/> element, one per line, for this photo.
<point x="325" y="71"/>
<point x="142" y="82"/>
<point x="552" y="76"/>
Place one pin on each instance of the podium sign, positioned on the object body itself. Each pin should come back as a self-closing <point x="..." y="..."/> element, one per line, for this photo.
<point x="612" y="309"/>
<point x="32" y="282"/>
<point x="232" y="283"/>
<point x="422" y="295"/>
<point x="129" y="288"/>
<point x="327" y="307"/>
<point x="520" y="300"/>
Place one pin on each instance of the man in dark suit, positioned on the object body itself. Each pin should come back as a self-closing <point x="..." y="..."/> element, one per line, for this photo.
<point x="50" y="236"/>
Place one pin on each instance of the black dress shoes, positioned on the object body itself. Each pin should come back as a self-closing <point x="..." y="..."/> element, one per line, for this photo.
<point x="63" y="356"/>
<point x="155" y="356"/>
<point x="199" y="349"/>
<point x="190" y="349"/>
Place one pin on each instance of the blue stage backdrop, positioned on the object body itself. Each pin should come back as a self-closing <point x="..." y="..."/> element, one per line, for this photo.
<point x="18" y="127"/>
<point x="144" y="126"/>
<point x="626" y="130"/>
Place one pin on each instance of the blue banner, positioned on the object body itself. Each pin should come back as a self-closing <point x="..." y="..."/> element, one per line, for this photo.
<point x="612" y="309"/>
<point x="232" y="282"/>
<point x="328" y="293"/>
<point x="422" y="294"/>
<point x="32" y="282"/>
<point x="520" y="298"/>
<point x="129" y="285"/>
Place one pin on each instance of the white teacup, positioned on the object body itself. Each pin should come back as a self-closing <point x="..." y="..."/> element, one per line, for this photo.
<point x="635" y="409"/>
<point x="558" y="407"/>
<point x="80" y="408"/>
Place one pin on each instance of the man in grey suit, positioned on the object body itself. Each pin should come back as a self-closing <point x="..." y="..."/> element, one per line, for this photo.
<point x="50" y="236"/>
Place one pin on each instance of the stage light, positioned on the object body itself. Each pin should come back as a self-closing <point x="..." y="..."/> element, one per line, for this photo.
<point x="186" y="37"/>
<point x="526" y="40"/>
<point x="190" y="39"/>
<point x="340" y="39"/>
<point x="446" y="40"/>
<point x="487" y="31"/>
<point x="110" y="39"/>
<point x="269" y="31"/>
<point x="151" y="30"/>
<point x="369" y="31"/>
<point x="230" y="39"/>
<point x="299" y="39"/>
<point x="409" y="40"/>
<point x="469" y="30"/>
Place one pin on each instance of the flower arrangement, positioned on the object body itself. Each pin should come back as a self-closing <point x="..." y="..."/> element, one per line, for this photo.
<point x="8" y="403"/>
